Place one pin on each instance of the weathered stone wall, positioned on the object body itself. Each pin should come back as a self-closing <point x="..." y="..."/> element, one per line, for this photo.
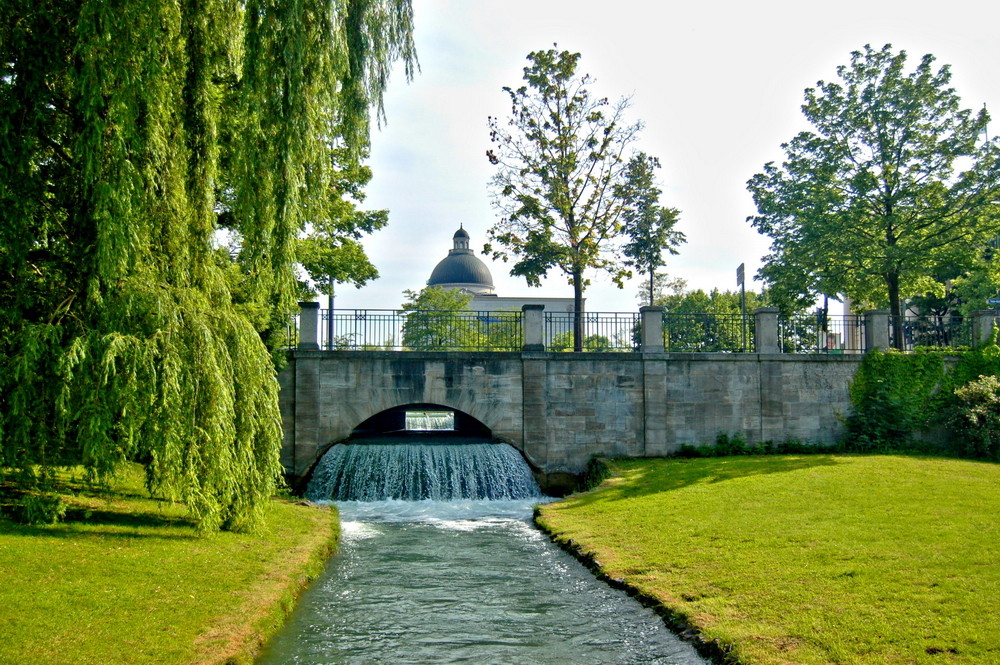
<point x="334" y="392"/>
<point x="559" y="409"/>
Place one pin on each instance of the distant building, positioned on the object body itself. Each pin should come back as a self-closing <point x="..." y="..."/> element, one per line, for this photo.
<point x="464" y="271"/>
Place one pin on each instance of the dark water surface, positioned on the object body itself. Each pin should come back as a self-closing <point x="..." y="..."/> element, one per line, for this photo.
<point x="464" y="582"/>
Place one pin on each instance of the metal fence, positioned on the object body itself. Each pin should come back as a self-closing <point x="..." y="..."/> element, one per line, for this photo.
<point x="933" y="331"/>
<point x="420" y="330"/>
<point x="602" y="331"/>
<point x="821" y="333"/>
<point x="405" y="330"/>
<point x="707" y="333"/>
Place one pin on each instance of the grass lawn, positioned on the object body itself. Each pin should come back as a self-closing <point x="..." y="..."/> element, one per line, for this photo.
<point x="807" y="559"/>
<point x="126" y="579"/>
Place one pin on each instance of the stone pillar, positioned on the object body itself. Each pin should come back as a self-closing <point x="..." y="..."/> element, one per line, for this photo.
<point x="533" y="320"/>
<point x="766" y="329"/>
<point x="308" y="326"/>
<point x="876" y="329"/>
<point x="982" y="325"/>
<point x="651" y="329"/>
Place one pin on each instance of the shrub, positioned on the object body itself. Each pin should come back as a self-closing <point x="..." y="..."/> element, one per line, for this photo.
<point x="727" y="445"/>
<point x="976" y="418"/>
<point x="893" y="396"/>
<point x="42" y="508"/>
<point x="597" y="472"/>
<point x="896" y="396"/>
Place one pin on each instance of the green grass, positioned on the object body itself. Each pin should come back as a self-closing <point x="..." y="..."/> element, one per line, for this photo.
<point x="807" y="559"/>
<point x="127" y="580"/>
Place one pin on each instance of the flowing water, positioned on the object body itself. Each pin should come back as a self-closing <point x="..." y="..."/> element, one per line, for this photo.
<point x="461" y="581"/>
<point x="431" y="470"/>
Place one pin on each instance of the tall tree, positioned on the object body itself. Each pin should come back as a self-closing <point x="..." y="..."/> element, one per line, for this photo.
<point x="895" y="178"/>
<point x="648" y="225"/>
<point x="559" y="157"/>
<point x="132" y="132"/>
<point x="330" y="252"/>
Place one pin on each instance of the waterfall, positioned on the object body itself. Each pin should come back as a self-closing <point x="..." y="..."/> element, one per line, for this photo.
<point x="430" y="420"/>
<point x="416" y="471"/>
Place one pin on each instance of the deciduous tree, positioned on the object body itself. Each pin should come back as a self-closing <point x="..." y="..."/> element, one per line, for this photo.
<point x="893" y="181"/>
<point x="131" y="134"/>
<point x="437" y="318"/>
<point x="559" y="157"/>
<point x="648" y="225"/>
<point x="330" y="251"/>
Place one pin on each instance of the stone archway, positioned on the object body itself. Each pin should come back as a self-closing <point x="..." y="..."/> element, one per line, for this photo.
<point x="394" y="419"/>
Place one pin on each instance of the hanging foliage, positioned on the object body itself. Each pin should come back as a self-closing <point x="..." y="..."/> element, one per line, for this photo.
<point x="130" y="134"/>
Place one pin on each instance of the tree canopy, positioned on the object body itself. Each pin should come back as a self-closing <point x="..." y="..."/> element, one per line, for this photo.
<point x="648" y="225"/>
<point x="895" y="182"/>
<point x="330" y="251"/>
<point x="436" y="318"/>
<point x="698" y="321"/>
<point x="439" y="318"/>
<point x="132" y="134"/>
<point x="560" y="157"/>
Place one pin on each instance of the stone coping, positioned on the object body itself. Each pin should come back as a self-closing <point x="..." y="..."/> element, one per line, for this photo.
<point x="580" y="357"/>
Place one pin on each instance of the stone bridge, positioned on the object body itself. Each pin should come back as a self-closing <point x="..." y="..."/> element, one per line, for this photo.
<point x="559" y="409"/>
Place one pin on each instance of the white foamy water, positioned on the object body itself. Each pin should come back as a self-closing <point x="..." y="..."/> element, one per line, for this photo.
<point x="425" y="471"/>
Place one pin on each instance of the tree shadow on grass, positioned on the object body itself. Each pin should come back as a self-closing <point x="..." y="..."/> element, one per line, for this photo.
<point x="110" y="524"/>
<point x="642" y="477"/>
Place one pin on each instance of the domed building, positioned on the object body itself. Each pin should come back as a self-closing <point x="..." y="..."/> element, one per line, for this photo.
<point x="464" y="271"/>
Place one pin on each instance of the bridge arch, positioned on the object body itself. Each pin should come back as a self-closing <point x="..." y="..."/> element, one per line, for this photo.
<point x="407" y="418"/>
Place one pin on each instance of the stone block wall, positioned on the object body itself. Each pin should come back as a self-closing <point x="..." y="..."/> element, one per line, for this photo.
<point x="559" y="409"/>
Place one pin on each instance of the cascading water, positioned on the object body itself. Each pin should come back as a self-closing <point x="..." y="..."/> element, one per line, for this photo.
<point x="430" y="420"/>
<point x="421" y="471"/>
<point x="454" y="572"/>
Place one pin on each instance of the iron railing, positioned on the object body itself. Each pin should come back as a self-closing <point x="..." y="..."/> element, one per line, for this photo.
<point x="933" y="331"/>
<point x="708" y="333"/>
<point x="420" y="330"/>
<point x="415" y="330"/>
<point x="821" y="333"/>
<point x="602" y="331"/>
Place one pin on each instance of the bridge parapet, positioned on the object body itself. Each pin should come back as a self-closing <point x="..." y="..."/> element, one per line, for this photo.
<point x="652" y="330"/>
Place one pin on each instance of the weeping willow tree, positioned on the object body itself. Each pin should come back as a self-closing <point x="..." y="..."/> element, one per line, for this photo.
<point x="131" y="133"/>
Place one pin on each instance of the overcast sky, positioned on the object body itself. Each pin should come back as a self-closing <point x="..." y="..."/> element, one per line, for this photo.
<point x="718" y="85"/>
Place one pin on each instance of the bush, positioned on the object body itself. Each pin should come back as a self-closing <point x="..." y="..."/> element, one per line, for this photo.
<point x="976" y="418"/>
<point x="597" y="472"/>
<point x="727" y="445"/>
<point x="42" y="508"/>
<point x="893" y="395"/>
<point x="896" y="396"/>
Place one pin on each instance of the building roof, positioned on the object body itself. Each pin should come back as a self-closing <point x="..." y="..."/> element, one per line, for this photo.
<point x="461" y="268"/>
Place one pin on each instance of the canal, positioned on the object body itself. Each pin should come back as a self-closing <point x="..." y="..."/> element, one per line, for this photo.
<point x="464" y="581"/>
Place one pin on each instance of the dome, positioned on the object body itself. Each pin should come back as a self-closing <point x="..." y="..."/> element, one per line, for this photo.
<point x="461" y="269"/>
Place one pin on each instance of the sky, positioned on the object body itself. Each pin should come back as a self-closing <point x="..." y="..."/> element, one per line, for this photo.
<point x="718" y="85"/>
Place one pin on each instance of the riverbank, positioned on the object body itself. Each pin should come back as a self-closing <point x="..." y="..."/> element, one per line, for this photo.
<point x="126" y="580"/>
<point x="804" y="559"/>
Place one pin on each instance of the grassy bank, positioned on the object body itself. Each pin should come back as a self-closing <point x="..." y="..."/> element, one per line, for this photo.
<point x="810" y="559"/>
<point x="126" y="580"/>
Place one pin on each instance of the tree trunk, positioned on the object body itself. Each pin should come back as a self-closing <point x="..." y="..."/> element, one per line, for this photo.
<point x="578" y="310"/>
<point x="895" y="311"/>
